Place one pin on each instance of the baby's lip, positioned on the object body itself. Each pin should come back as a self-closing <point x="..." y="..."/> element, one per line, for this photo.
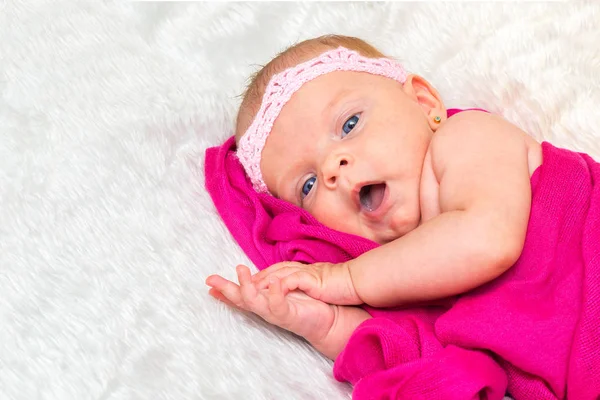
<point x="356" y="196"/>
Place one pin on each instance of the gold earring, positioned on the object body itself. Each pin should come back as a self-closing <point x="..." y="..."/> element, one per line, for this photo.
<point x="437" y="119"/>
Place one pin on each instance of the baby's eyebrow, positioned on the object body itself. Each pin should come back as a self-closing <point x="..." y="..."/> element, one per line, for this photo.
<point x="284" y="185"/>
<point x="334" y="102"/>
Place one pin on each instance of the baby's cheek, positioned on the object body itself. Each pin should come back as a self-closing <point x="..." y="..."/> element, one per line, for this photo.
<point x="337" y="217"/>
<point x="404" y="220"/>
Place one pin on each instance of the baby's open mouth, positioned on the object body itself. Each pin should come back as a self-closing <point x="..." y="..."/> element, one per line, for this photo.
<point x="371" y="196"/>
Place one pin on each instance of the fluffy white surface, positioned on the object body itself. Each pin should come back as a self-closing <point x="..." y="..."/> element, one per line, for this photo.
<point x="106" y="231"/>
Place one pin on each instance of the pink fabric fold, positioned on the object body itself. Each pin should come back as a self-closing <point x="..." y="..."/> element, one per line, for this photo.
<point x="534" y="330"/>
<point x="397" y="356"/>
<point x="270" y="230"/>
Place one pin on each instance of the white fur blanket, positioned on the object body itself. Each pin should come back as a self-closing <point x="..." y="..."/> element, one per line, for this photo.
<point x="106" y="231"/>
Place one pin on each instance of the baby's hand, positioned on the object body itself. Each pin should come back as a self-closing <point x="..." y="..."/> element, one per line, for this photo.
<point x="295" y="312"/>
<point x="327" y="282"/>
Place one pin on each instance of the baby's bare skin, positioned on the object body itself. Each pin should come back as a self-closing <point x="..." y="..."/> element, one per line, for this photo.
<point x="325" y="326"/>
<point x="447" y="199"/>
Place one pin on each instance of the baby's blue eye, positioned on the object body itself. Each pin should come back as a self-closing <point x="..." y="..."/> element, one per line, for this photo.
<point x="308" y="185"/>
<point x="350" y="124"/>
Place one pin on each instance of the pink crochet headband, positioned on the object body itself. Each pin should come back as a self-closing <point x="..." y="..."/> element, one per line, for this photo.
<point x="282" y="86"/>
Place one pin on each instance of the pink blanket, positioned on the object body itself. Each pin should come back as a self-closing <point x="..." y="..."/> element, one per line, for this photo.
<point x="534" y="332"/>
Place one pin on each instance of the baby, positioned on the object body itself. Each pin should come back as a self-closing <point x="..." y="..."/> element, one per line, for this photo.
<point x="335" y="127"/>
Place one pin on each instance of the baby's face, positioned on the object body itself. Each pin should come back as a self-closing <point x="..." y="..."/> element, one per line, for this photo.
<point x="349" y="148"/>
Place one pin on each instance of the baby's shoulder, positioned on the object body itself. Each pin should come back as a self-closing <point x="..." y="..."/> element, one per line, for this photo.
<point x="472" y="123"/>
<point x="479" y="137"/>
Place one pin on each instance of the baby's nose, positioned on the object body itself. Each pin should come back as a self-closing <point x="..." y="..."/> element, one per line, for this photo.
<point x="334" y="168"/>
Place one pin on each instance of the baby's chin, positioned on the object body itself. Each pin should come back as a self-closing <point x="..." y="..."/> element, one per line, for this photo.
<point x="393" y="232"/>
<point x="380" y="236"/>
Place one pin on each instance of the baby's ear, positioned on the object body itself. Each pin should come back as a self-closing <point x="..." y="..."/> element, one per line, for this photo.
<point x="421" y="91"/>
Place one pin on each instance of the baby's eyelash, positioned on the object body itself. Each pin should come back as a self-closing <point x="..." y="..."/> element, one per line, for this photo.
<point x="350" y="123"/>
<point x="307" y="187"/>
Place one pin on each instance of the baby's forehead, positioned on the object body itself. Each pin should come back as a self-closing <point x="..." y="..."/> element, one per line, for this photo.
<point x="316" y="105"/>
<point x="255" y="93"/>
<point x="329" y="89"/>
<point x="290" y="61"/>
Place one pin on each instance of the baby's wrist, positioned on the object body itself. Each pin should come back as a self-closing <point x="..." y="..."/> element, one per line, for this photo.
<point x="347" y="319"/>
<point x="356" y="299"/>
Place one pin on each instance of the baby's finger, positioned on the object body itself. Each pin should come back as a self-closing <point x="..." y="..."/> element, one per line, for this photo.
<point x="243" y="273"/>
<point x="260" y="275"/>
<point x="280" y="273"/>
<point x="221" y="297"/>
<point x="250" y="296"/>
<point x="303" y="281"/>
<point x="228" y="289"/>
<point x="278" y="304"/>
<point x="217" y="281"/>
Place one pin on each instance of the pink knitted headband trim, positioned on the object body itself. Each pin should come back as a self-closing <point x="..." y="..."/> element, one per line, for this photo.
<point x="282" y="86"/>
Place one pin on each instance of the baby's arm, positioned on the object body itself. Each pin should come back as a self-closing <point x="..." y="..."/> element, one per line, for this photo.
<point x="481" y="164"/>
<point x="347" y="319"/>
<point x="327" y="327"/>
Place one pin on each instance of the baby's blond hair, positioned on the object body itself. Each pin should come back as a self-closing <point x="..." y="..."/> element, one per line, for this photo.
<point x="291" y="56"/>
